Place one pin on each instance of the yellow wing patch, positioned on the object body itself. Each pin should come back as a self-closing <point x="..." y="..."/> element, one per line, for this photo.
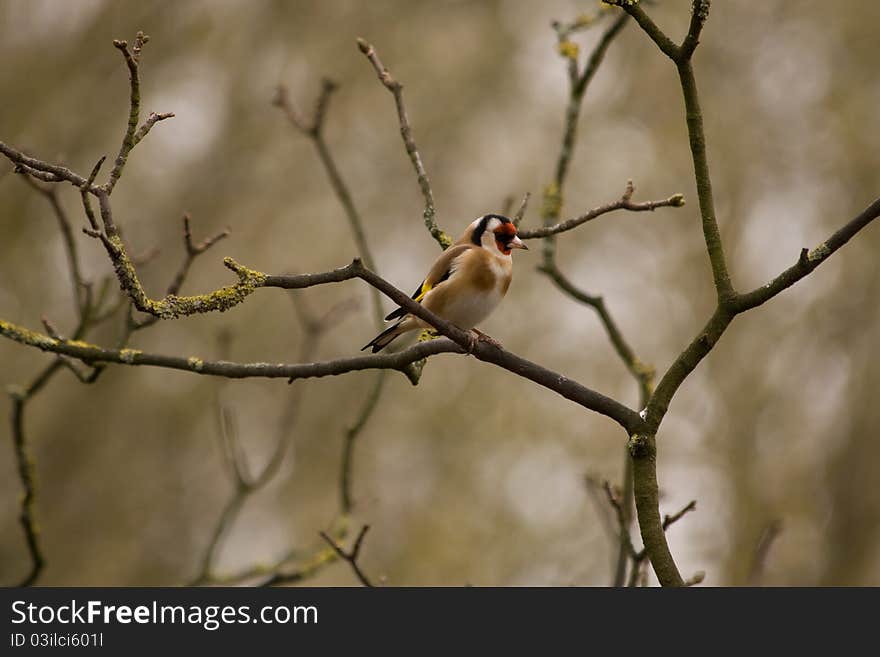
<point x="426" y="287"/>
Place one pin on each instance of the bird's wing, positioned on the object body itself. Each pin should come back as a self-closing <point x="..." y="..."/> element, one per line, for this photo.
<point x="440" y="271"/>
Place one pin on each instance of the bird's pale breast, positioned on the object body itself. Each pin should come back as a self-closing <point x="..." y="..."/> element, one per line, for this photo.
<point x="474" y="291"/>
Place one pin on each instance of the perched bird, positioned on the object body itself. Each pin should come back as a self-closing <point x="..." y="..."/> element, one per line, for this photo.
<point x="465" y="283"/>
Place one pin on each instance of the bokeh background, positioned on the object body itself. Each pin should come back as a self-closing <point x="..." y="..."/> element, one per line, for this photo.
<point x="475" y="476"/>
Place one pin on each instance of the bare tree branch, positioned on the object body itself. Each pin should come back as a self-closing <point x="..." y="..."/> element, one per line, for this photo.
<point x="132" y="134"/>
<point x="245" y="482"/>
<point x="346" y="494"/>
<point x="634" y="559"/>
<point x="521" y="211"/>
<point x="624" y="203"/>
<point x="192" y="251"/>
<point x="396" y="89"/>
<point x="675" y="517"/>
<point x="553" y="198"/>
<point x="91" y="311"/>
<point x="307" y="566"/>
<point x="681" y="56"/>
<point x="56" y="173"/>
<point x="579" y="81"/>
<point x="807" y="261"/>
<point x="313" y="129"/>
<point x="706" y="339"/>
<point x="666" y="45"/>
<point x="699" y="14"/>
<point x="351" y="556"/>
<point x="70" y="248"/>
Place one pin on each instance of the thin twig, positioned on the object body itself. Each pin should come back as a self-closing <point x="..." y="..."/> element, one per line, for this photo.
<point x="579" y="81"/>
<point x="396" y="89"/>
<point x="675" y="517"/>
<point x="133" y="135"/>
<point x="351" y="557"/>
<point x="596" y="490"/>
<point x="346" y="494"/>
<point x="521" y="211"/>
<point x="759" y="560"/>
<point x="70" y="248"/>
<point x="624" y="203"/>
<point x="245" y="482"/>
<point x="314" y="130"/>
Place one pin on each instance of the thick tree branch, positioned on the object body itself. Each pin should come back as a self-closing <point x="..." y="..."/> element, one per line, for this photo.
<point x="632" y="557"/>
<point x="463" y="341"/>
<point x="90" y="353"/>
<point x="686" y="362"/>
<point x="681" y="56"/>
<point x="643" y="449"/>
<point x="706" y="339"/>
<point x="697" y="137"/>
<point x="396" y="89"/>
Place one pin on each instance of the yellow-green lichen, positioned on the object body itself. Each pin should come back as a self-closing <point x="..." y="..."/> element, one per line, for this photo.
<point x="819" y="253"/>
<point x="128" y="355"/>
<point x="32" y="338"/>
<point x="195" y="364"/>
<point x="172" y="306"/>
<point x="552" y="204"/>
<point x="584" y="20"/>
<point x="568" y="49"/>
<point x="413" y="371"/>
<point x="81" y="344"/>
<point x="44" y="341"/>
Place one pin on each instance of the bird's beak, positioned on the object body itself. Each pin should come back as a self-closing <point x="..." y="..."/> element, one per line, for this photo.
<point x="517" y="243"/>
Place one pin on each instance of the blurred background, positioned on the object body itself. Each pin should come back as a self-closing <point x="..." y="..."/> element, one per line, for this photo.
<point x="475" y="476"/>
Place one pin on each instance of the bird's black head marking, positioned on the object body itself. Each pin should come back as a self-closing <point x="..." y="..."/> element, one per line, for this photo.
<point x="477" y="237"/>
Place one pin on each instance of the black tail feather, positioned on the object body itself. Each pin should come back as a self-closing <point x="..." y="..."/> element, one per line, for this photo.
<point x="394" y="314"/>
<point x="383" y="339"/>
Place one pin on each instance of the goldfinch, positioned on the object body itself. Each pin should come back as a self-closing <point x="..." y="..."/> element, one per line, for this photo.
<point x="465" y="283"/>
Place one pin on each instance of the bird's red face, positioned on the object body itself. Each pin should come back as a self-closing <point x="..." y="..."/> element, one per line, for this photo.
<point x="506" y="239"/>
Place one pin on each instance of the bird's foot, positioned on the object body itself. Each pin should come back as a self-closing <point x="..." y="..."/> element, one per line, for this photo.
<point x="471" y="342"/>
<point x="488" y="339"/>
